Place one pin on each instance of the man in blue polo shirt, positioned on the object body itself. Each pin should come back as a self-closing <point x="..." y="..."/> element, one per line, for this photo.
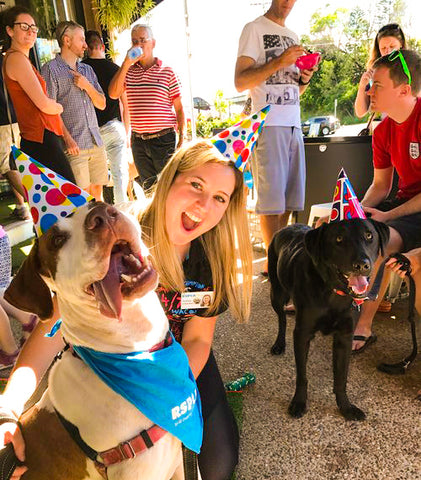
<point x="75" y="86"/>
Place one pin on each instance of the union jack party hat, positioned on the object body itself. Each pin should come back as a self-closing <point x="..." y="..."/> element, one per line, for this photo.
<point x="345" y="203"/>
<point x="237" y="142"/>
<point x="50" y="196"/>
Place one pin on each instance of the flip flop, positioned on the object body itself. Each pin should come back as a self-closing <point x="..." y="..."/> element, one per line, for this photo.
<point x="367" y="342"/>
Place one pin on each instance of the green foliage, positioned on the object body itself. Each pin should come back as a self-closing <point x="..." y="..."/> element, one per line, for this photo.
<point x="344" y="38"/>
<point x="221" y="105"/>
<point x="206" y="125"/>
<point x="118" y="15"/>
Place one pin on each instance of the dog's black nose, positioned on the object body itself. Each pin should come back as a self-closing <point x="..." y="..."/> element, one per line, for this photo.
<point x="363" y="266"/>
<point x="101" y="215"/>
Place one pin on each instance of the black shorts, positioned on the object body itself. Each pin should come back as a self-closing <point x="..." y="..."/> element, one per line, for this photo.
<point x="408" y="227"/>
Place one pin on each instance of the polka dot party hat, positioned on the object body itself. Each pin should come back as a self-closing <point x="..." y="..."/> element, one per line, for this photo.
<point x="50" y="196"/>
<point x="345" y="203"/>
<point x="237" y="142"/>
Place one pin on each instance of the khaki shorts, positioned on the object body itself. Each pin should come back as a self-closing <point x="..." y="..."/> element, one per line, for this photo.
<point x="6" y="143"/>
<point x="90" y="167"/>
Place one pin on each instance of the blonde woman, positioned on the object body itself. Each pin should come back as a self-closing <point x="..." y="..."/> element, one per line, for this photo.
<point x="201" y="243"/>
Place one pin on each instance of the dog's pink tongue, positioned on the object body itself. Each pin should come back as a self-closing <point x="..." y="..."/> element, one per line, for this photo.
<point x="358" y="283"/>
<point x="107" y="291"/>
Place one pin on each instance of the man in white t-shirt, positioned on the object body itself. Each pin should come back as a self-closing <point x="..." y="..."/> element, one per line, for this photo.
<point x="266" y="66"/>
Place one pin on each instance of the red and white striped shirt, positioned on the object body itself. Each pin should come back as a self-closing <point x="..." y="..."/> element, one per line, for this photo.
<point x="150" y="95"/>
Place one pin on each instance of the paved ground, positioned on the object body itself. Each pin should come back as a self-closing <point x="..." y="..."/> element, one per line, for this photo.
<point x="322" y="445"/>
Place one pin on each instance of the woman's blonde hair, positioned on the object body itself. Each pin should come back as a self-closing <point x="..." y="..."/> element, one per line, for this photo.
<point x="227" y="245"/>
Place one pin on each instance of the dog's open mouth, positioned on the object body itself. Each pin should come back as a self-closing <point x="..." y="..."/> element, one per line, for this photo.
<point x="357" y="285"/>
<point x="129" y="274"/>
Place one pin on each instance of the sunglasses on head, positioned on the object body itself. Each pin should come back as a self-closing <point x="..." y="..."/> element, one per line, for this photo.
<point x="398" y="54"/>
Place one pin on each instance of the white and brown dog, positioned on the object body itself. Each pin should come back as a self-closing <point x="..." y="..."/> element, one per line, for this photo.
<point x="96" y="263"/>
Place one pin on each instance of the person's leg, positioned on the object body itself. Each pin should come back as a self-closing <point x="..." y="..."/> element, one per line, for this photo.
<point x="369" y="308"/>
<point x="219" y="453"/>
<point x="270" y="224"/>
<point x="51" y="154"/>
<point x="7" y="341"/>
<point x="80" y="168"/>
<point x="271" y="170"/>
<point x="98" y="171"/>
<point x="28" y="320"/>
<point x="143" y="162"/>
<point x="161" y="149"/>
<point x="114" y="137"/>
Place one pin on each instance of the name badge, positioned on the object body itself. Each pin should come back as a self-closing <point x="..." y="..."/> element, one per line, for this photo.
<point x="196" y="300"/>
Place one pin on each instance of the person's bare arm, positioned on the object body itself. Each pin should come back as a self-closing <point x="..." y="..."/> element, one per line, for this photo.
<point x="19" y="68"/>
<point x="379" y="188"/>
<point x="34" y="359"/>
<point x="125" y="116"/>
<point x="248" y="75"/>
<point x="362" y="101"/>
<point x="116" y="87"/>
<point x="72" y="147"/>
<point x="197" y="341"/>
<point x="181" y="121"/>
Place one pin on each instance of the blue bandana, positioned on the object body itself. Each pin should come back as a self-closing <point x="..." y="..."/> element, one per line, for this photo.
<point x="160" y="384"/>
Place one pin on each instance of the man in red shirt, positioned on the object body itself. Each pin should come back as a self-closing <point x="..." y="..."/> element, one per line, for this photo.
<point x="396" y="146"/>
<point x="156" y="111"/>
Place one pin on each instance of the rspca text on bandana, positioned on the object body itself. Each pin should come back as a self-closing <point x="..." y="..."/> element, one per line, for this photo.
<point x="184" y="407"/>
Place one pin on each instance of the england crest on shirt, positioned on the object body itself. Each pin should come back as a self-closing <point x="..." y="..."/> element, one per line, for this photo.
<point x="414" y="150"/>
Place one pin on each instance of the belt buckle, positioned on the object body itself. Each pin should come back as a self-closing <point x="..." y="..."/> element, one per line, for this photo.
<point x="123" y="452"/>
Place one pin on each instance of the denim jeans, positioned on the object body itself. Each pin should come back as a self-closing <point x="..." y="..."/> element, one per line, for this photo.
<point x="114" y="137"/>
<point x="151" y="156"/>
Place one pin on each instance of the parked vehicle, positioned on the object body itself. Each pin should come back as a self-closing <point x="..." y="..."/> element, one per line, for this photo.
<point x="328" y="124"/>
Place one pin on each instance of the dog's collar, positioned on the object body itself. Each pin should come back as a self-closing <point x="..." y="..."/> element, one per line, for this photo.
<point x="123" y="451"/>
<point x="357" y="301"/>
<point x="158" y="346"/>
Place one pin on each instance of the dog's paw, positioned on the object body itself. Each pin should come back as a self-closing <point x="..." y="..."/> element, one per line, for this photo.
<point x="277" y="349"/>
<point x="297" y="409"/>
<point x="352" y="413"/>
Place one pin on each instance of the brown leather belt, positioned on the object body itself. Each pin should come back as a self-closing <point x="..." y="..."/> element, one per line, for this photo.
<point x="149" y="136"/>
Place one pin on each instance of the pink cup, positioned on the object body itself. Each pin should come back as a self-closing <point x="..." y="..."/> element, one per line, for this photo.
<point x="305" y="62"/>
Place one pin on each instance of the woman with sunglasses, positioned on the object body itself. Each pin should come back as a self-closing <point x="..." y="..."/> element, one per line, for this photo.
<point x="38" y="115"/>
<point x="388" y="38"/>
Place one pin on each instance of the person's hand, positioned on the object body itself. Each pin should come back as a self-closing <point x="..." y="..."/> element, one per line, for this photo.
<point x="10" y="433"/>
<point x="414" y="259"/>
<point x="72" y="148"/>
<point x="290" y="55"/>
<point x="306" y="74"/>
<point x="131" y="61"/>
<point x="365" y="78"/>
<point x="80" y="81"/>
<point x="320" y="221"/>
<point x="180" y="141"/>
<point x="375" y="214"/>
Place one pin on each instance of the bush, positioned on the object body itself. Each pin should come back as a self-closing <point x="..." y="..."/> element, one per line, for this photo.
<point x="206" y="125"/>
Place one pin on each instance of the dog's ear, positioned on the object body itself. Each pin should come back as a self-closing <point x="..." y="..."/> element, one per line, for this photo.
<point x="314" y="244"/>
<point x="383" y="232"/>
<point x="28" y="291"/>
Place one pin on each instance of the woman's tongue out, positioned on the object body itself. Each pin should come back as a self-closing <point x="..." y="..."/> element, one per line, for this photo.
<point x="190" y="221"/>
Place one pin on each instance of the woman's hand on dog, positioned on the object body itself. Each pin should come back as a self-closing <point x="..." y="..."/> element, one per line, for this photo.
<point x="375" y="214"/>
<point x="10" y="433"/>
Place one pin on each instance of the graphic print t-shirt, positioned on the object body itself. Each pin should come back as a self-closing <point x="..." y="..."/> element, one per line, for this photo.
<point x="198" y="278"/>
<point x="263" y="40"/>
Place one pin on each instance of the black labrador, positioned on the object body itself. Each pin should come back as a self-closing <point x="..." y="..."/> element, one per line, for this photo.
<point x="325" y="272"/>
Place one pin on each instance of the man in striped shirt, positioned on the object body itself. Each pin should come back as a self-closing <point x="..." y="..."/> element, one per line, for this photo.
<point x="156" y="111"/>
